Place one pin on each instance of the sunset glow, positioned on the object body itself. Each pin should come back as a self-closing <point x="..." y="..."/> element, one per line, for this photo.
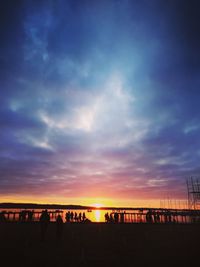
<point x="97" y="215"/>
<point x="97" y="205"/>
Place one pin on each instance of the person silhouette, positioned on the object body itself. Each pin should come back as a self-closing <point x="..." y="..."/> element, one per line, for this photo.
<point x="106" y="217"/>
<point x="116" y="217"/>
<point x="111" y="220"/>
<point x="80" y="217"/>
<point x="72" y="216"/>
<point x="84" y="217"/>
<point x="2" y="216"/>
<point x="149" y="216"/>
<point x="68" y="216"/>
<point x="30" y="215"/>
<point x="59" y="227"/>
<point x="122" y="217"/>
<point x="75" y="216"/>
<point x="44" y="222"/>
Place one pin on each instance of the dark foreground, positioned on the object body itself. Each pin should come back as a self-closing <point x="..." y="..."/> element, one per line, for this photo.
<point x="101" y="244"/>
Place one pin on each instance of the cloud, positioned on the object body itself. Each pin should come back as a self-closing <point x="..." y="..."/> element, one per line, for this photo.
<point x="99" y="98"/>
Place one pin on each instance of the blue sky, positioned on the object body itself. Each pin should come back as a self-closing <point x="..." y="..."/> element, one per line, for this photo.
<point x="99" y="99"/>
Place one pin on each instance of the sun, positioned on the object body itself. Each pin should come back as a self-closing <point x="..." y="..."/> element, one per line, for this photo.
<point x="97" y="205"/>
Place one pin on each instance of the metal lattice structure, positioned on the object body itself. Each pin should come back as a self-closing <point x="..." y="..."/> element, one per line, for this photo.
<point x="193" y="188"/>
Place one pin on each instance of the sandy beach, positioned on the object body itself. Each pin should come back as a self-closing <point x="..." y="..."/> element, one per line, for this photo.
<point x="100" y="244"/>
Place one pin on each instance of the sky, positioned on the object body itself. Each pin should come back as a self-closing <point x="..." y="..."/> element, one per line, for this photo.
<point x="99" y="100"/>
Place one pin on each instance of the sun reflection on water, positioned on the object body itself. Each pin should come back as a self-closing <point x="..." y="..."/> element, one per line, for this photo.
<point x="97" y="215"/>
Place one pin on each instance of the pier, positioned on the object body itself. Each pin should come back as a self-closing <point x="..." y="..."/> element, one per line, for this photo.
<point x="142" y="215"/>
<point x="157" y="216"/>
<point x="29" y="215"/>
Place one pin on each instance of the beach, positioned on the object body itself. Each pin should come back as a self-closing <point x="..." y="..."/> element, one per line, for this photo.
<point x="99" y="244"/>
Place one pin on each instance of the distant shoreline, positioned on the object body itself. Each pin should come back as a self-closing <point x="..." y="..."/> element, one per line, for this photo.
<point x="10" y="205"/>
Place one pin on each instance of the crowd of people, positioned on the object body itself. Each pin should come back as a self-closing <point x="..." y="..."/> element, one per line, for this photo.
<point x="114" y="217"/>
<point x="153" y="216"/>
<point x="69" y="217"/>
<point x="165" y="216"/>
<point x="75" y="217"/>
<point x="29" y="216"/>
<point x="2" y="216"/>
<point x="26" y="215"/>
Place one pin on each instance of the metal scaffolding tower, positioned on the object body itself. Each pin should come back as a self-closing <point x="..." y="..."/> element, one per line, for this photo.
<point x="193" y="188"/>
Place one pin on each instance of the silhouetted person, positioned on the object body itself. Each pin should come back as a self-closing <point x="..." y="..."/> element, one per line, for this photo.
<point x="22" y="216"/>
<point x="75" y="217"/>
<point x="30" y="215"/>
<point x="2" y="216"/>
<point x="68" y="216"/>
<point x="174" y="219"/>
<point x="111" y="220"/>
<point x="169" y="217"/>
<point x="80" y="217"/>
<point x="166" y="216"/>
<point x="149" y="216"/>
<point x="116" y="217"/>
<point x="44" y="222"/>
<point x="107" y="217"/>
<point x="122" y="217"/>
<point x="72" y="216"/>
<point x="84" y="217"/>
<point x="158" y="217"/>
<point x="59" y="227"/>
<point x="154" y="216"/>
